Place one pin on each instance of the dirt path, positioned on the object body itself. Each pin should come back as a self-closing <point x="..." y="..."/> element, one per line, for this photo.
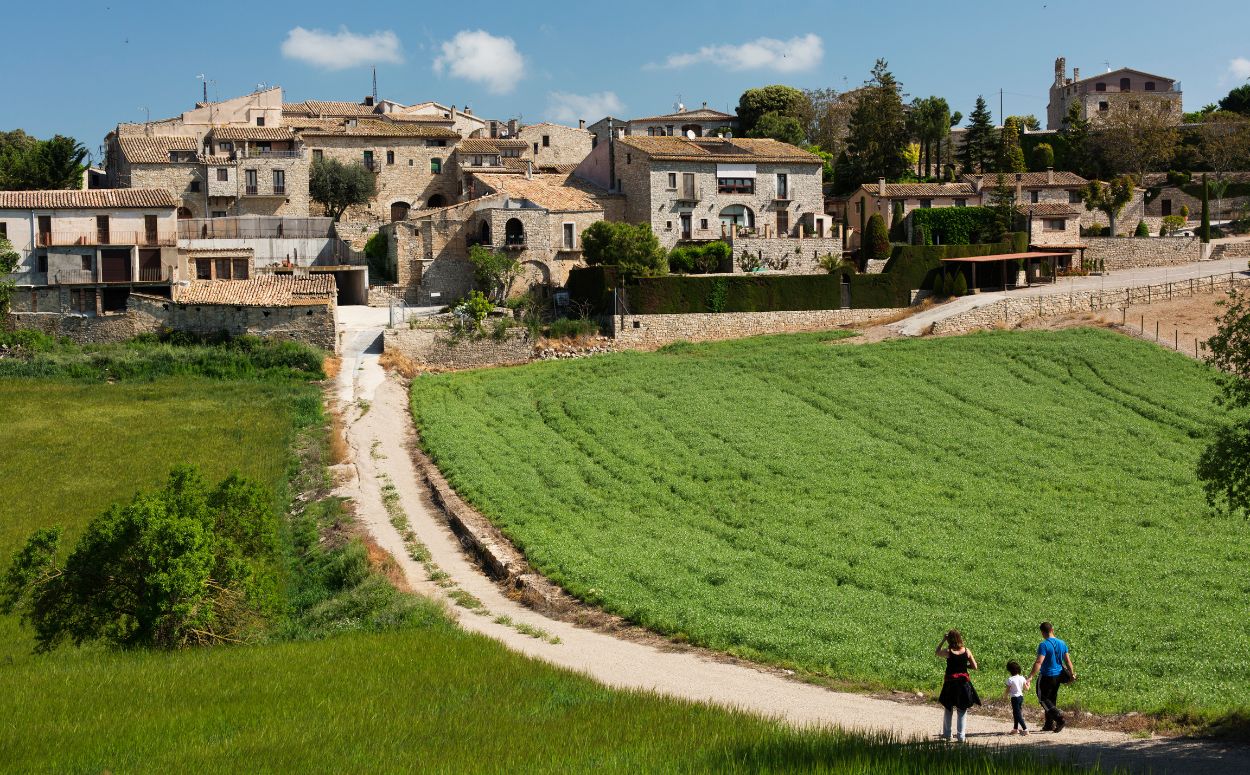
<point x="379" y="437"/>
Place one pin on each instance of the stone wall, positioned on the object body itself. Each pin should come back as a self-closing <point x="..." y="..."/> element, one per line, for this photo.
<point x="438" y="348"/>
<point x="1010" y="311"/>
<point x="409" y="178"/>
<point x="803" y="255"/>
<point x="1231" y="250"/>
<point x="312" y="323"/>
<point x="655" y="330"/>
<point x="1134" y="253"/>
<point x="86" y="329"/>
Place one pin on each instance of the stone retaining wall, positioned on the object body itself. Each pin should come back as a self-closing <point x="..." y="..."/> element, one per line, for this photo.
<point x="86" y="329"/>
<point x="802" y="256"/>
<point x="437" y="347"/>
<point x="1010" y="311"/>
<point x="1135" y="253"/>
<point x="1232" y="250"/>
<point x="654" y="330"/>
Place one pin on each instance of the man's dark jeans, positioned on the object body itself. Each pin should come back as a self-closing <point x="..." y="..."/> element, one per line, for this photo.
<point x="1048" y="697"/>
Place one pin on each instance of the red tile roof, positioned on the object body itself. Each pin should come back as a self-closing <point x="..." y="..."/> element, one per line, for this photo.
<point x="278" y="290"/>
<point x="253" y="133"/>
<point x="735" y="150"/>
<point x="141" y="149"/>
<point x="91" y="199"/>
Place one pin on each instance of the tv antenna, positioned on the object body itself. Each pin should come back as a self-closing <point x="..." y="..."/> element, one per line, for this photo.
<point x="204" y="78"/>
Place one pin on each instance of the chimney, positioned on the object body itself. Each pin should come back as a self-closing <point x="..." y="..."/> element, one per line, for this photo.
<point x="1076" y="74"/>
<point x="581" y="123"/>
<point x="368" y="100"/>
<point x="1019" y="183"/>
<point x="468" y="111"/>
<point x="1050" y="175"/>
<point x="514" y="127"/>
<point x="705" y="104"/>
<point x="880" y="186"/>
<point x="453" y="111"/>
<point x="1061" y="70"/>
<point x="977" y="182"/>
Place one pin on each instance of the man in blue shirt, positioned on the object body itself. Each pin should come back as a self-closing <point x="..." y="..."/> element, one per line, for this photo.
<point x="1052" y="657"/>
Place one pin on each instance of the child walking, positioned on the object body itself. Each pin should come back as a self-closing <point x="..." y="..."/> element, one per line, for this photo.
<point x="1016" y="684"/>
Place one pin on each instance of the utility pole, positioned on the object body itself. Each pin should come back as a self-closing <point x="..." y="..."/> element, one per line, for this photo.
<point x="375" y="83"/>
<point x="1002" y="121"/>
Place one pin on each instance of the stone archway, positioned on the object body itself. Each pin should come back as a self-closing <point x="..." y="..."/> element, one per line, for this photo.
<point x="534" y="276"/>
<point x="399" y="211"/>
<point x="514" y="233"/>
<point x="739" y="216"/>
<point x="184" y="213"/>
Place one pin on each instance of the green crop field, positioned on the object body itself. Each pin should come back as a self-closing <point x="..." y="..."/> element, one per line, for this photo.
<point x="428" y="697"/>
<point x="837" y="507"/>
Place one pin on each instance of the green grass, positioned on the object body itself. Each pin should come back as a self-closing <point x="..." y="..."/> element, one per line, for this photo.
<point x="418" y="695"/>
<point x="431" y="700"/>
<point x="836" y="508"/>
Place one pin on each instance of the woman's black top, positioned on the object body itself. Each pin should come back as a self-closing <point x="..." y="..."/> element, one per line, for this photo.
<point x="957" y="688"/>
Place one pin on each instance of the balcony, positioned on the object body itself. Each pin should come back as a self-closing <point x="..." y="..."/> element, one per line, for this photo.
<point x="514" y="243"/>
<point x="119" y="274"/>
<point x="279" y="190"/>
<point x="251" y="191"/>
<point x="260" y="153"/>
<point x="690" y="194"/>
<point x="97" y="237"/>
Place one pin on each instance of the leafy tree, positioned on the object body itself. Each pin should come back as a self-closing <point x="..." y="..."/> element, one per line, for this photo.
<point x="1010" y="155"/>
<point x="27" y="164"/>
<point x="630" y="247"/>
<point x="827" y="173"/>
<point x="1109" y="199"/>
<point x="339" y="186"/>
<point x="755" y="103"/>
<point x="1074" y="131"/>
<point x="1225" y="142"/>
<point x="1137" y="141"/>
<point x="1217" y="189"/>
<point x="931" y="122"/>
<point x="1043" y="157"/>
<point x="979" y="140"/>
<point x="778" y="126"/>
<point x="876" y="239"/>
<point x="182" y="566"/>
<point x="1238" y="100"/>
<point x="1224" y="467"/>
<point x="1027" y="123"/>
<point x="877" y="137"/>
<point x="826" y="118"/>
<point x="494" y="271"/>
<point x="8" y="263"/>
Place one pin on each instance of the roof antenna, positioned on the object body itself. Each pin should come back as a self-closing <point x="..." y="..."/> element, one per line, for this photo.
<point x="1108" y="64"/>
<point x="204" y="78"/>
<point x="375" y="83"/>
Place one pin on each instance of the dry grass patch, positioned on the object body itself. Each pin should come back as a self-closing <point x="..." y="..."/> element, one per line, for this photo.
<point x="339" y="450"/>
<point x="393" y="360"/>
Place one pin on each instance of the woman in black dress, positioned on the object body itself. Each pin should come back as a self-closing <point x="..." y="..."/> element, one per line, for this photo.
<point x="958" y="692"/>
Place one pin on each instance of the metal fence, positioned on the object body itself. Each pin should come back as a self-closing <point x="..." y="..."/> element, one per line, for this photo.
<point x="255" y="227"/>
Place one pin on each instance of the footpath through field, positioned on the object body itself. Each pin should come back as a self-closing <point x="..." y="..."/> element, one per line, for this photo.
<point x="918" y="324"/>
<point x="379" y="438"/>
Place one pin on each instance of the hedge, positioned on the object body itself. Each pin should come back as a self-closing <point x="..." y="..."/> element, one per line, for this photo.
<point x="734" y="293"/>
<point x="593" y="285"/>
<point x="953" y="225"/>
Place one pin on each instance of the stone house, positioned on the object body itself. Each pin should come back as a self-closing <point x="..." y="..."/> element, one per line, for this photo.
<point x="1165" y="199"/>
<point x="85" y="251"/>
<point x="895" y="201"/>
<point x="1053" y="224"/>
<point x="701" y="122"/>
<point x="555" y="146"/>
<point x="713" y="188"/>
<point x="1101" y="95"/>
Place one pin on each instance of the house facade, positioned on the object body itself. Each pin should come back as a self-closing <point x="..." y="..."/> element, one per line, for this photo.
<point x="701" y="122"/>
<point x="1106" y="93"/>
<point x="85" y="251"/>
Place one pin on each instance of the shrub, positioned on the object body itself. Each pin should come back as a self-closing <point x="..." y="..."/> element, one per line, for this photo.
<point x="632" y="248"/>
<point x="705" y="258"/>
<point x="954" y="225"/>
<point x="737" y="293"/>
<point x="494" y="271"/>
<point x="1043" y="157"/>
<point x="1171" y="224"/>
<point x="569" y="328"/>
<point x="1142" y="230"/>
<point x="876" y="239"/>
<point x="749" y="262"/>
<point x="379" y="262"/>
<point x="939" y="285"/>
<point x="592" y="286"/>
<point x="471" y="312"/>
<point x="960" y="287"/>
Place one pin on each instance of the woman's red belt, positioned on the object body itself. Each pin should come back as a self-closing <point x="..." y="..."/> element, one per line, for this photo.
<point x="957" y="675"/>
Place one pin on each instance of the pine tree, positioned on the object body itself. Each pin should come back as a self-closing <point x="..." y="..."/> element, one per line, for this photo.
<point x="1075" y="134"/>
<point x="978" y="150"/>
<point x="877" y="135"/>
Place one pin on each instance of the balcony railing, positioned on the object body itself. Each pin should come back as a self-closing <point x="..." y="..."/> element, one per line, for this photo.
<point x="97" y="237"/>
<point x="690" y="194"/>
<point x="251" y="191"/>
<point x="259" y="153"/>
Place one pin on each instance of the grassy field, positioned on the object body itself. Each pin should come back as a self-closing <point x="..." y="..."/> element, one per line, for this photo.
<point x="426" y="696"/>
<point x="837" y="507"/>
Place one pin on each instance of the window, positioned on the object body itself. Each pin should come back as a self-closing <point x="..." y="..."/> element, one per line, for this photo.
<point x="672" y="180"/>
<point x="390" y="157"/>
<point x="535" y="149"/>
<point x="223" y="174"/>
<point x="260" y="121"/>
<point x="477" y="161"/>
<point x="203" y="268"/>
<point x="318" y="154"/>
<point x="1167" y="207"/>
<point x="250" y="185"/>
<point x="279" y="181"/>
<point x="1075" y="197"/>
<point x="436" y="165"/>
<point x="223" y="268"/>
<point x="629" y="158"/>
<point x="1100" y="87"/>
<point x="735" y="185"/>
<point x="41" y="263"/>
<point x="264" y="147"/>
<point x="86" y="263"/>
<point x="1035" y="196"/>
<point x="961" y="202"/>
<point x="926" y="203"/>
<point x="668" y="130"/>
<point x="1103" y="107"/>
<point x="703" y="224"/>
<point x="1124" y="84"/>
<point x="368" y="156"/>
<point x="570" y="236"/>
<point x="668" y="225"/>
<point x="859" y="205"/>
<point x="225" y="147"/>
<point x="410" y="162"/>
<point x="4" y="230"/>
<point x="783" y="185"/>
<point x="239" y="271"/>
<point x="1053" y="224"/>
<point x="219" y="213"/>
<point x="435" y="143"/>
<point x="546" y="141"/>
<point x="1150" y="85"/>
<point x="737" y="215"/>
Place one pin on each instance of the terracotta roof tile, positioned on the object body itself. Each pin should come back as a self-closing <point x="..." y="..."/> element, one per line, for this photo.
<point x="335" y="108"/>
<point x="90" y="199"/>
<point x="735" y="150"/>
<point x="253" y="133"/>
<point x="1050" y="208"/>
<point x="278" y="290"/>
<point x="557" y="193"/>
<point x="1030" y="179"/>
<point x="699" y="114"/>
<point x="383" y="128"/>
<point x="142" y="149"/>
<point x="477" y="145"/>
<point x="921" y="190"/>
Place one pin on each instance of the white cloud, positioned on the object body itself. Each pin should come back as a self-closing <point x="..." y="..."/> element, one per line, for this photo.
<point x="476" y="55"/>
<point x="1239" y="68"/>
<point x="342" y="49"/>
<point x="567" y="107"/>
<point x="783" y="56"/>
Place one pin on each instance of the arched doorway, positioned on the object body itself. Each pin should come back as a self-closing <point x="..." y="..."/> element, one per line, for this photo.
<point x="399" y="211"/>
<point x="737" y="216"/>
<point x="534" y="276"/>
<point x="438" y="200"/>
<point x="183" y="213"/>
<point x="483" y="233"/>
<point x="514" y="233"/>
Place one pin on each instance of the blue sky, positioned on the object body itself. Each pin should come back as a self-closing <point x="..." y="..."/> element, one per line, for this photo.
<point x="79" y="68"/>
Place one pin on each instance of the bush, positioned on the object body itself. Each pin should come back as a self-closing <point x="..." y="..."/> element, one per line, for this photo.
<point x="566" y="328"/>
<point x="706" y="258"/>
<point x="471" y="312"/>
<point x="1142" y="230"/>
<point x="876" y="239"/>
<point x="380" y="267"/>
<point x="1043" y="157"/>
<point x="592" y="287"/>
<point x="960" y="286"/>
<point x="939" y="285"/>
<point x="632" y="248"/>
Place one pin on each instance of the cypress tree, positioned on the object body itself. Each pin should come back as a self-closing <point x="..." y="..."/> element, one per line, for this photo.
<point x="877" y="239"/>
<point x="1142" y="230"/>
<point x="1204" y="231"/>
<point x="960" y="285"/>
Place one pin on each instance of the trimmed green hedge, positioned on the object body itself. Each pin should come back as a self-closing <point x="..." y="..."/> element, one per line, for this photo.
<point x="736" y="293"/>
<point x="593" y="284"/>
<point x="953" y="225"/>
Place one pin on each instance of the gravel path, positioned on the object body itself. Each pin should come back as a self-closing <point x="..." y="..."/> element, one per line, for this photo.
<point x="380" y="437"/>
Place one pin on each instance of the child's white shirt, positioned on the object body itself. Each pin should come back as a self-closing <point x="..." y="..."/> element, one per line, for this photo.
<point x="1015" y="686"/>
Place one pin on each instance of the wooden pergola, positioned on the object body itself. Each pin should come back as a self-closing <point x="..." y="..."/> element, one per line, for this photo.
<point x="1051" y="258"/>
